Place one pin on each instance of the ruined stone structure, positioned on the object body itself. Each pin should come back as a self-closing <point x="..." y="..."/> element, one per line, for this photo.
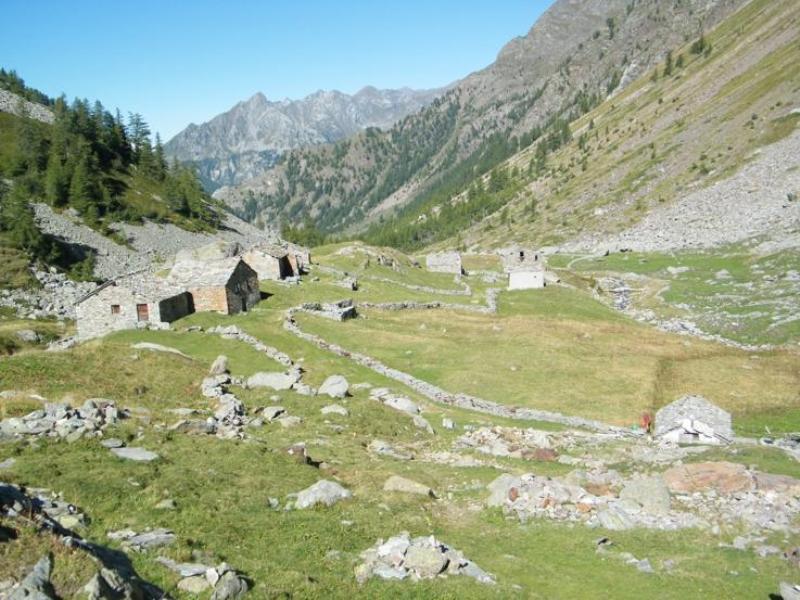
<point x="137" y="300"/>
<point x="270" y="262"/>
<point x="444" y="262"/>
<point x="694" y="420"/>
<point x="228" y="286"/>
<point x="525" y="268"/>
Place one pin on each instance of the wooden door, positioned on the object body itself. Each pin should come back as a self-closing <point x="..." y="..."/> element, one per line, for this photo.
<point x="142" y="312"/>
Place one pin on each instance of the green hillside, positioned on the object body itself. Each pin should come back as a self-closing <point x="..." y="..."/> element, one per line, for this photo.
<point x="92" y="161"/>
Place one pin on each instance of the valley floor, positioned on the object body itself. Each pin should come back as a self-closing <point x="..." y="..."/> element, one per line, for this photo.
<point x="555" y="350"/>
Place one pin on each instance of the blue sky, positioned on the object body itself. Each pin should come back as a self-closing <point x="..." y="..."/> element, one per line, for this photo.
<point x="182" y="62"/>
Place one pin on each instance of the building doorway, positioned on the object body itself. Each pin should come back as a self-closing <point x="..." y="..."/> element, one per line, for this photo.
<point x="142" y="312"/>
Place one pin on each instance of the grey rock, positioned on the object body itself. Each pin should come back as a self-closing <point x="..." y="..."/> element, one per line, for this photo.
<point x="789" y="591"/>
<point x="448" y="423"/>
<point x="324" y="492"/>
<point x="183" y="569"/>
<point x="615" y="518"/>
<point x="425" y="561"/>
<point x="112" y="443"/>
<point x="135" y="454"/>
<point x="147" y="540"/>
<point x="270" y="413"/>
<point x="36" y="584"/>
<point x="219" y="366"/>
<point x="27" y="335"/>
<point x="335" y="386"/>
<point x="194" y="584"/>
<point x="7" y="463"/>
<point x="395" y="483"/>
<point x="275" y="381"/>
<point x="384" y="448"/>
<point x="290" y="421"/>
<point x="334" y="409"/>
<point x="693" y="419"/>
<point x="651" y="493"/>
<point x="421" y="422"/>
<point x="229" y="587"/>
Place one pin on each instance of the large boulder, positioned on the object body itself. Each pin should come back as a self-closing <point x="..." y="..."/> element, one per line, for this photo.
<point x="693" y="419"/>
<point x="324" y="492"/>
<point x="275" y="381"/>
<point x="36" y="585"/>
<point x="721" y="477"/>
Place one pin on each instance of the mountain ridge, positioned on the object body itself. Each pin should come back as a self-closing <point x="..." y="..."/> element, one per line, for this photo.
<point x="253" y="133"/>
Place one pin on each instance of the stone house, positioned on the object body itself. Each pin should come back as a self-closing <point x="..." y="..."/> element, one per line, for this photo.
<point x="693" y="420"/>
<point x="137" y="300"/>
<point x="270" y="262"/>
<point x="444" y="262"/>
<point x="299" y="257"/>
<point x="227" y="286"/>
<point x="526" y="268"/>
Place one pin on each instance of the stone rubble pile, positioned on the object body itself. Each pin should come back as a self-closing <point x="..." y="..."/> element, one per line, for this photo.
<point x="197" y="578"/>
<point x="115" y="577"/>
<point x="232" y="332"/>
<point x="705" y="495"/>
<point x="55" y="297"/>
<point x="403" y="557"/>
<point x="59" y="419"/>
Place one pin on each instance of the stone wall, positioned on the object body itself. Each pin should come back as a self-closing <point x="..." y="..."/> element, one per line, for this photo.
<point x="210" y="299"/>
<point x="444" y="262"/>
<point x="95" y="316"/>
<point x="526" y="280"/>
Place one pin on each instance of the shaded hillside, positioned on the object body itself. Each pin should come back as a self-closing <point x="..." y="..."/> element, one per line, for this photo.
<point x="244" y="141"/>
<point x="578" y="52"/>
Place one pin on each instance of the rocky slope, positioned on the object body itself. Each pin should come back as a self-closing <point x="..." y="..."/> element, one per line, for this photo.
<point x="577" y="53"/>
<point x="240" y="143"/>
<point x="704" y="157"/>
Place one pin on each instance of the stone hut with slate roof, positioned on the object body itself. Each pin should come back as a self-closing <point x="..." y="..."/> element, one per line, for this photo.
<point x="694" y="420"/>
<point x="136" y="300"/>
<point x="227" y="286"/>
<point x="271" y="262"/>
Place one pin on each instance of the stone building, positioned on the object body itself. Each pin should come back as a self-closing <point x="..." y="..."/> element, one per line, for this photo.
<point x="137" y="300"/>
<point x="693" y="420"/>
<point x="444" y="262"/>
<point x="227" y="286"/>
<point x="299" y="257"/>
<point x="525" y="268"/>
<point x="270" y="262"/>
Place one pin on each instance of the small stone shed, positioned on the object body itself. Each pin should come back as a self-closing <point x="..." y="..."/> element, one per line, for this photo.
<point x="270" y="262"/>
<point x="132" y="301"/>
<point x="299" y="257"/>
<point x="444" y="262"/>
<point x="227" y="286"/>
<point x="694" y="420"/>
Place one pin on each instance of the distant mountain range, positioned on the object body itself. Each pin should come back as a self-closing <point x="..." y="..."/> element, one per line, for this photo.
<point x="242" y="142"/>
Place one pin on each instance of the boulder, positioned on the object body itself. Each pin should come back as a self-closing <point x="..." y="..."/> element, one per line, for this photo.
<point x="334" y="386"/>
<point x="27" y="335"/>
<point x="270" y="413"/>
<point x="275" y="381"/>
<point x="219" y="366"/>
<point x="615" y="518"/>
<point x="721" y="477"/>
<point x="789" y="591"/>
<point x="500" y="488"/>
<point x="324" y="492"/>
<point x="229" y="587"/>
<point x="395" y="483"/>
<point x="693" y="419"/>
<point x="334" y="409"/>
<point x="135" y="454"/>
<point x="651" y="493"/>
